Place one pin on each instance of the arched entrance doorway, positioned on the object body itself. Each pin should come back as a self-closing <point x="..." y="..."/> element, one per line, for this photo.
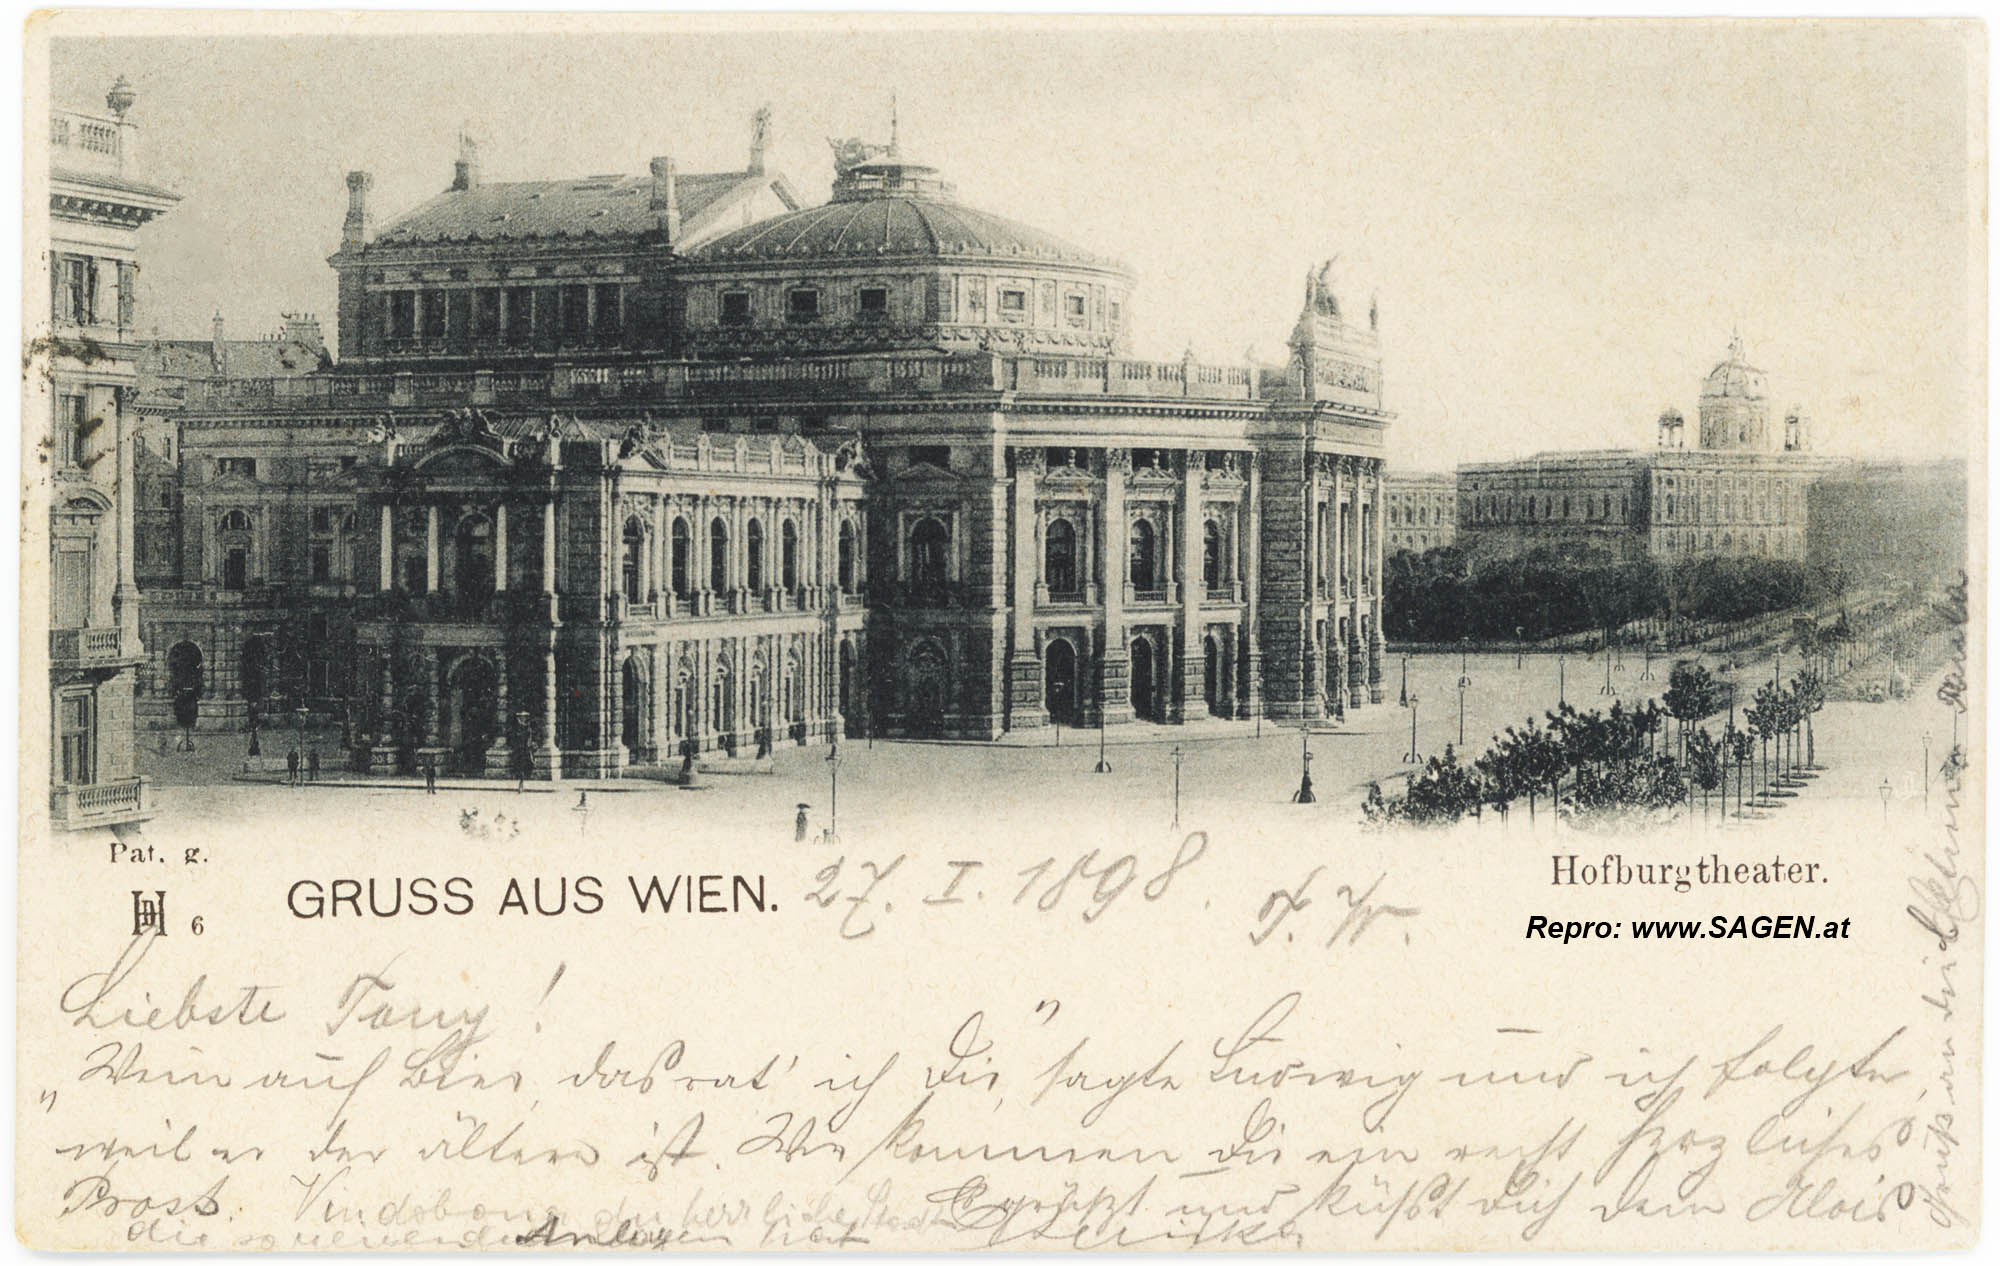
<point x="1143" y="701"/>
<point x="472" y="562"/>
<point x="1059" y="681"/>
<point x="928" y="677"/>
<point x="847" y="689"/>
<point x="1211" y="661"/>
<point x="252" y="669"/>
<point x="472" y="718"/>
<point x="184" y="682"/>
<point x="632" y="700"/>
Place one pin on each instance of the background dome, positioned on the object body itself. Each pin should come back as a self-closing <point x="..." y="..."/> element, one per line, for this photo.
<point x="1734" y="377"/>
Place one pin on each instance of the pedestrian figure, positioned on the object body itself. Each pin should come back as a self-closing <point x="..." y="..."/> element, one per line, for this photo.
<point x="163" y="742"/>
<point x="292" y="767"/>
<point x="312" y="765"/>
<point x="687" y="759"/>
<point x="431" y="777"/>
<point x="799" y="827"/>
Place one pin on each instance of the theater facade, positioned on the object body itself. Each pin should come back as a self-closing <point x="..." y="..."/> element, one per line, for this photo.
<point x="615" y="470"/>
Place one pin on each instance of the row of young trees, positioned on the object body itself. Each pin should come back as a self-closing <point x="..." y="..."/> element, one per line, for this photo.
<point x="1600" y="767"/>
<point x="1444" y="594"/>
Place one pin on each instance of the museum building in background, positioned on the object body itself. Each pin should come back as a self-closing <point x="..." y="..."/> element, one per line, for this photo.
<point x="1741" y="489"/>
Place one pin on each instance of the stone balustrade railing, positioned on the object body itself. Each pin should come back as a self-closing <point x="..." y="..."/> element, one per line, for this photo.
<point x="721" y="380"/>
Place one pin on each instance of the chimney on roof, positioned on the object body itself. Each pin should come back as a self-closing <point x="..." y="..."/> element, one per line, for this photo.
<point x="303" y="328"/>
<point x="465" y="173"/>
<point x="760" y="131"/>
<point x="666" y="201"/>
<point x="218" y="351"/>
<point x="354" y="230"/>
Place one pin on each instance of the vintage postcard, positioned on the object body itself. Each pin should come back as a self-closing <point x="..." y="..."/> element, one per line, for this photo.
<point x="947" y="633"/>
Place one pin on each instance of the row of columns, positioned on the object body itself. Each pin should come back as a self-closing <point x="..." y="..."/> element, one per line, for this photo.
<point x="1180" y="681"/>
<point x="386" y="568"/>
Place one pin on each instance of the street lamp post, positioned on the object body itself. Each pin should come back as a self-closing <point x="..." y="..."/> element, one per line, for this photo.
<point x="1103" y="765"/>
<point x="1177" y="786"/>
<point x="302" y="712"/>
<point x="1461" y="711"/>
<point x="1562" y="678"/>
<point x="1518" y="647"/>
<point x="832" y="832"/>
<point x="1305" y="795"/>
<point x="520" y="753"/>
<point x="1403" y="694"/>
<point x="1885" y="791"/>
<point x="1411" y="757"/>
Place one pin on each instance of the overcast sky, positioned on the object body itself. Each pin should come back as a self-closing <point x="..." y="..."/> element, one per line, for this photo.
<point x="1563" y="224"/>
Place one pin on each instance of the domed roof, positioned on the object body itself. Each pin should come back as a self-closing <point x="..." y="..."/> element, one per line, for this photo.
<point x="894" y="207"/>
<point x="1734" y="376"/>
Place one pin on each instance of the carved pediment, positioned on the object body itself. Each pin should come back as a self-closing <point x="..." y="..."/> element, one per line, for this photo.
<point x="461" y="459"/>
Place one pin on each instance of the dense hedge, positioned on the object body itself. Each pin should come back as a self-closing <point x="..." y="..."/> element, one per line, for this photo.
<point x="1443" y="595"/>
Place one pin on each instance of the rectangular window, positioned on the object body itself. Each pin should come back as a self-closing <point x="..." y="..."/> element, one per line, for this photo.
<point x="610" y="313"/>
<point x="575" y="313"/>
<point x="874" y="301"/>
<point x="128" y="293"/>
<point x="735" y="307"/>
<point x="322" y="563"/>
<point x="244" y="466"/>
<point x="433" y="315"/>
<point x="486" y="314"/>
<point x="1075" y="307"/>
<point x="520" y="314"/>
<point x="802" y="305"/>
<point x="1013" y="304"/>
<point x="402" y="314"/>
<point x="70" y="435"/>
<point x="79" y="749"/>
<point x="75" y="282"/>
<point x="72" y="588"/>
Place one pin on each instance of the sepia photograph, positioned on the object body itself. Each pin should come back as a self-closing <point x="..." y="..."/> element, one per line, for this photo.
<point x="1284" y="633"/>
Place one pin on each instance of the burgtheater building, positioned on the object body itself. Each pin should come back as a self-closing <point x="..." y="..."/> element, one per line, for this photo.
<point x="615" y="469"/>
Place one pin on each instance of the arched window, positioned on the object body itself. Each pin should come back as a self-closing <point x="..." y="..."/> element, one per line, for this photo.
<point x="1143" y="572"/>
<point x="753" y="544"/>
<point x="634" y="561"/>
<point x="683" y="546"/>
<point x="235" y="521"/>
<point x="1211" y="554"/>
<point x="929" y="544"/>
<point x="788" y="555"/>
<point x="718" y="556"/>
<point x="1059" y="557"/>
<point x="847" y="557"/>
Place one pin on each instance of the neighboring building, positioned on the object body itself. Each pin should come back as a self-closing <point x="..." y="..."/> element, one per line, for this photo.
<point x="1896" y="521"/>
<point x="1732" y="495"/>
<point x="168" y="369"/>
<point x="97" y="204"/>
<point x="629" y="477"/>
<point x="1423" y="510"/>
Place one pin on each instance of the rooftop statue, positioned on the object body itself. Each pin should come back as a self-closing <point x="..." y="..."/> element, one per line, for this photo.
<point x="852" y="152"/>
